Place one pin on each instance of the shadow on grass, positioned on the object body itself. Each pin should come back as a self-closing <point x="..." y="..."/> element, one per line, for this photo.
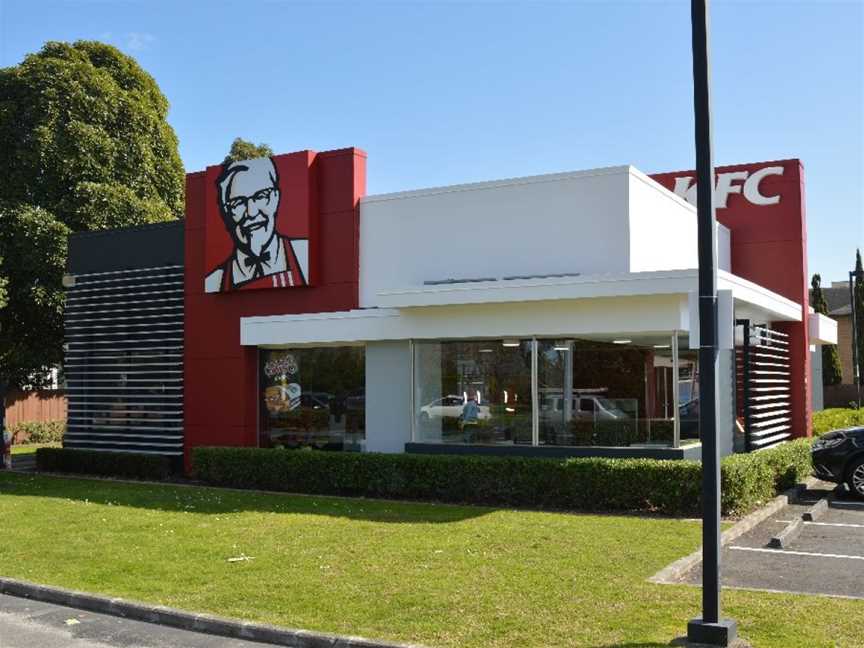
<point x="638" y="645"/>
<point x="221" y="501"/>
<point x="679" y="641"/>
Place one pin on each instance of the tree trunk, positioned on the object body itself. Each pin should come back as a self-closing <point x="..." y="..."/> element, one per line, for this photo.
<point x="3" y="440"/>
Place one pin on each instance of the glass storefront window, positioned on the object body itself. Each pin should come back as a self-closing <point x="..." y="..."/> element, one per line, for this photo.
<point x="313" y="397"/>
<point x="588" y="392"/>
<point x="613" y="394"/>
<point x="475" y="392"/>
<point x="688" y="395"/>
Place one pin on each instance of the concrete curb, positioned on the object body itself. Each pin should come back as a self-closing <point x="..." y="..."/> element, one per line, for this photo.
<point x="794" y="528"/>
<point x="788" y="534"/>
<point x="816" y="511"/>
<point x="674" y="572"/>
<point x="204" y="623"/>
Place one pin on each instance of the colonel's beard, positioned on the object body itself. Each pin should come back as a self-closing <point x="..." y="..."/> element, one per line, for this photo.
<point x="254" y="234"/>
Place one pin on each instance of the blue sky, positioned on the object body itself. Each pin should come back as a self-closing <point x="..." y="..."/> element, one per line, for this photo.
<point x="450" y="92"/>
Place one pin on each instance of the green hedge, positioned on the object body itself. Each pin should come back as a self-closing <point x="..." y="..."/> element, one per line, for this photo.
<point x="588" y="484"/>
<point x="107" y="464"/>
<point x="37" y="431"/>
<point x="748" y="480"/>
<point x="835" y="419"/>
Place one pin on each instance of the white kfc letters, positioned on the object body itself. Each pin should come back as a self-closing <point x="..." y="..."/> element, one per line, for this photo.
<point x="734" y="182"/>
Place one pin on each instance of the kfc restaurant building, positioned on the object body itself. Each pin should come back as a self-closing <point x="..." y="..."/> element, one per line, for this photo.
<point x="547" y="315"/>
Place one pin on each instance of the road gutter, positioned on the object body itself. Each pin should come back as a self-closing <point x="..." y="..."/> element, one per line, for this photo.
<point x="203" y="623"/>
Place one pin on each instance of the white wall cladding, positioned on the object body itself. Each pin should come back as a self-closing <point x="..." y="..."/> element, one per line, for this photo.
<point x="563" y="223"/>
<point x="604" y="221"/>
<point x="662" y="233"/>
<point x="124" y="361"/>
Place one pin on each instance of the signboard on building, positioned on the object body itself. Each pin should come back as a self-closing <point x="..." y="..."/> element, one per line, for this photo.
<point x="260" y="224"/>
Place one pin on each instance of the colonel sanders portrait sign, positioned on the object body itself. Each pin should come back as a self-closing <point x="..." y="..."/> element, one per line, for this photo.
<point x="258" y="231"/>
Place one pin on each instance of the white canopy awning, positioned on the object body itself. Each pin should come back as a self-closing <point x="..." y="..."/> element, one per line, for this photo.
<point x="642" y="303"/>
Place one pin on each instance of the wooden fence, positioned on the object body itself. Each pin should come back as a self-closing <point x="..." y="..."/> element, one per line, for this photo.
<point x="39" y="405"/>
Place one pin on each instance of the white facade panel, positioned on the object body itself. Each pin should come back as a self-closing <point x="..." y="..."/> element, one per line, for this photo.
<point x="823" y="329"/>
<point x="663" y="229"/>
<point x="643" y="315"/>
<point x="607" y="221"/>
<point x="564" y="223"/>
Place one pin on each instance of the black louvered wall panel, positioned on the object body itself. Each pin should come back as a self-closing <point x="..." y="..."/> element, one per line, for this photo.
<point x="124" y="360"/>
<point x="764" y="386"/>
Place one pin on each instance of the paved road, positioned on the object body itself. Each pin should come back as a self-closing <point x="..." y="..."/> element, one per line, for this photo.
<point x="827" y="558"/>
<point x="30" y="624"/>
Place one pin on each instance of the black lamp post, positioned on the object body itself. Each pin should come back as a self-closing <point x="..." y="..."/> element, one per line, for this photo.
<point x="709" y="628"/>
<point x="856" y="370"/>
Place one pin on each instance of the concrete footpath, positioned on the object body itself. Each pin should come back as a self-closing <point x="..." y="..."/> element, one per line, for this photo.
<point x="25" y="623"/>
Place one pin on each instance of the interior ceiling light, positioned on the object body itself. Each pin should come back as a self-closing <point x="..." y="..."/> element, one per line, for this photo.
<point x="621" y="341"/>
<point x="510" y="343"/>
<point x="485" y="350"/>
<point x="662" y="346"/>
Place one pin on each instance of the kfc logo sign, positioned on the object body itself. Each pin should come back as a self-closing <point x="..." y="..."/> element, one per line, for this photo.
<point x="258" y="234"/>
<point x="745" y="183"/>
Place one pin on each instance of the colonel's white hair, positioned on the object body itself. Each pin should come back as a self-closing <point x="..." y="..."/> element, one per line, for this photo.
<point x="263" y="167"/>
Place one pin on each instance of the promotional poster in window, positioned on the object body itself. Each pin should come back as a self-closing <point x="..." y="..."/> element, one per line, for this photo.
<point x="313" y="398"/>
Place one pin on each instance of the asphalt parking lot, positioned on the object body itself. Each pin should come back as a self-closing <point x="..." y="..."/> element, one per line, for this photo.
<point x="827" y="557"/>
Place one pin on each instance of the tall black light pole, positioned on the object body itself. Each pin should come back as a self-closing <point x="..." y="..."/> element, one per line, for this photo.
<point x="856" y="369"/>
<point x="709" y="628"/>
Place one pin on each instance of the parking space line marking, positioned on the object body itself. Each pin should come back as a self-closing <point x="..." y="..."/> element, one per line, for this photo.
<point x="837" y="524"/>
<point x="830" y="524"/>
<point x="798" y="592"/>
<point x="797" y="553"/>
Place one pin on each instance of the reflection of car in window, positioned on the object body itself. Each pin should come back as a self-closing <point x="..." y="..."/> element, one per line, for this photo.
<point x="451" y="407"/>
<point x="590" y="406"/>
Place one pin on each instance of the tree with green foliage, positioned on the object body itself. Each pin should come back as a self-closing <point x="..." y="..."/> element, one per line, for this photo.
<point x="831" y="372"/>
<point x="244" y="150"/>
<point x="859" y="311"/>
<point x="84" y="145"/>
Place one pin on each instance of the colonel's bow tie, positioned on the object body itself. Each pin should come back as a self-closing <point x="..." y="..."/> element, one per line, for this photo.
<point x="258" y="263"/>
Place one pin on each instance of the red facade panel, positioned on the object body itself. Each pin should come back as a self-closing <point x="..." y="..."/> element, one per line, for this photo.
<point x="317" y="190"/>
<point x="766" y="216"/>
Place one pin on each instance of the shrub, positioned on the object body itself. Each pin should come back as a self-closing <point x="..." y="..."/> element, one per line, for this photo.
<point x="835" y="419"/>
<point x="108" y="464"/>
<point x="590" y="484"/>
<point x="37" y="431"/>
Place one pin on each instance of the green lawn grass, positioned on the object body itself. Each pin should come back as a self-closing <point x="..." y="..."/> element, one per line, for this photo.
<point x="434" y="574"/>
<point x="30" y="448"/>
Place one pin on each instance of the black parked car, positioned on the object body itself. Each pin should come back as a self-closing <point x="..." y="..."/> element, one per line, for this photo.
<point x="839" y="457"/>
